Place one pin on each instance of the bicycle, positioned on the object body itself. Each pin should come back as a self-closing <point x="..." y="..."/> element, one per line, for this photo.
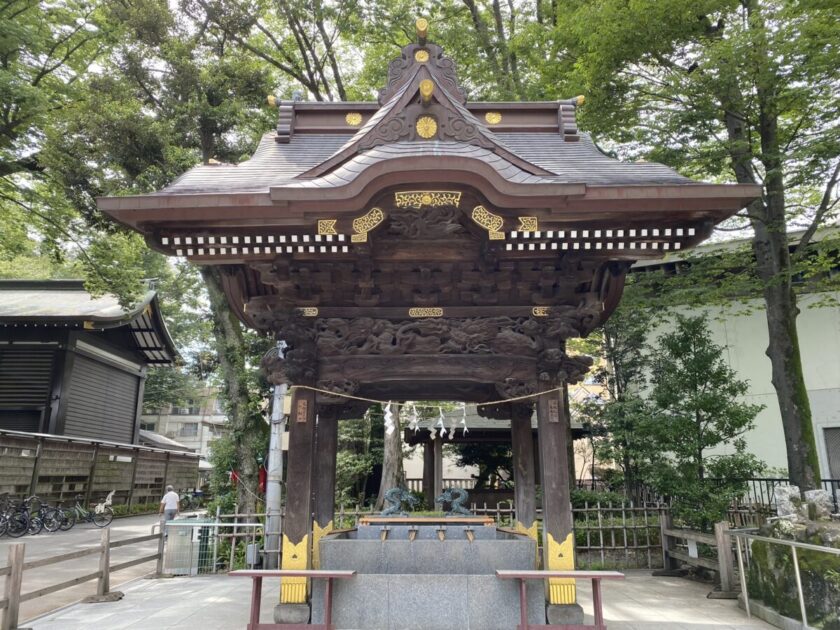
<point x="49" y="516"/>
<point x="21" y="521"/>
<point x="101" y="515"/>
<point x="189" y="501"/>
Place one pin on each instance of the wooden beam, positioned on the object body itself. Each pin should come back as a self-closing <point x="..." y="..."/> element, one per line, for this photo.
<point x="36" y="467"/>
<point x="524" y="486"/>
<point x="298" y="521"/>
<point x="429" y="475"/>
<point x="91" y="474"/>
<point x="13" y="584"/>
<point x="558" y="533"/>
<point x="326" y="448"/>
<point x="437" y="449"/>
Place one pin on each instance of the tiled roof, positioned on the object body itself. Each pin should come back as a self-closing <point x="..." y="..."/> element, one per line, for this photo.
<point x="277" y="164"/>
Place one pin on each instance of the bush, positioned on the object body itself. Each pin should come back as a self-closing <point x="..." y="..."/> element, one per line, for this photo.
<point x="580" y="498"/>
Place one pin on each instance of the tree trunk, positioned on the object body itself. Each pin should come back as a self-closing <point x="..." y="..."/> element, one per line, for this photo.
<point x="392" y="466"/>
<point x="783" y="350"/>
<point x="230" y="347"/>
<point x="770" y="245"/>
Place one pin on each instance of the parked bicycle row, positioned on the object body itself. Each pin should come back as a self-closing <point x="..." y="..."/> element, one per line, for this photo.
<point x="33" y="516"/>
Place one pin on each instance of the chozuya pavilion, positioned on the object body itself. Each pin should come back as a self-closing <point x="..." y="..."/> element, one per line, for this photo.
<point x="427" y="247"/>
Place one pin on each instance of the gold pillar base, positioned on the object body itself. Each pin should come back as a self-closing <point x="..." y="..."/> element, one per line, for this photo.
<point x="295" y="556"/>
<point x="561" y="557"/>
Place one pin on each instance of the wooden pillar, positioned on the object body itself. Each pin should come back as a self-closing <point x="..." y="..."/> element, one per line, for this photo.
<point x="36" y="468"/>
<point x="298" y="521"/>
<point x="326" y="447"/>
<point x="558" y="534"/>
<point x="136" y="458"/>
<point x="91" y="474"/>
<point x="437" y="448"/>
<point x="524" y="486"/>
<point x="429" y="474"/>
<point x="570" y="443"/>
<point x="166" y="474"/>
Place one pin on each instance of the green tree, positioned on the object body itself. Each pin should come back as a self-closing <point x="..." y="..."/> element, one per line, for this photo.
<point x="494" y="462"/>
<point x="614" y="419"/>
<point x="696" y="405"/>
<point x="735" y="90"/>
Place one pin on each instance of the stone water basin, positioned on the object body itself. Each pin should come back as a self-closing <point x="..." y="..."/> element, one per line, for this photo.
<point x="427" y="583"/>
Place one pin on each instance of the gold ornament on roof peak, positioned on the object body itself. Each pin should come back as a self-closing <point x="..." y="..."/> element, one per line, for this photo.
<point x="354" y="119"/>
<point x="422" y="27"/>
<point x="427" y="88"/>
<point x="421" y="56"/>
<point x="493" y="118"/>
<point x="426" y="127"/>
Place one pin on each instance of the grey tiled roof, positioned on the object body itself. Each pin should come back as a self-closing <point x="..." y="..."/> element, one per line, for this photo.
<point x="276" y="164"/>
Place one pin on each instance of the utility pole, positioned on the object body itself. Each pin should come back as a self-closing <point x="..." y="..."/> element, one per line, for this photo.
<point x="274" y="478"/>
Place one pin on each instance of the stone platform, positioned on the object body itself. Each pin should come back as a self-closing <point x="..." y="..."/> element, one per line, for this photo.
<point x="427" y="583"/>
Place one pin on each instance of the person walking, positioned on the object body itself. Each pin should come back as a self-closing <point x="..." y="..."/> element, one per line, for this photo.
<point x="169" y="504"/>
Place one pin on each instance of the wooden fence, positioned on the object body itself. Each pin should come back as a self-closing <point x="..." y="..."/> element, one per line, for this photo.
<point x="700" y="549"/>
<point x="13" y="572"/>
<point x="58" y="468"/>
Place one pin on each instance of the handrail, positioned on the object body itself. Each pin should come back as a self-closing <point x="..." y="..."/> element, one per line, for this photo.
<point x="745" y="533"/>
<point x="793" y="545"/>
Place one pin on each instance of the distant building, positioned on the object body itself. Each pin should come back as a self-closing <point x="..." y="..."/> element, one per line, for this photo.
<point x="72" y="370"/>
<point x="73" y="364"/>
<point x="195" y="424"/>
<point x="742" y="329"/>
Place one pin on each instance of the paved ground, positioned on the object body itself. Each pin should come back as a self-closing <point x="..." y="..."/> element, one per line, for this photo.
<point x="82" y="536"/>
<point x="221" y="603"/>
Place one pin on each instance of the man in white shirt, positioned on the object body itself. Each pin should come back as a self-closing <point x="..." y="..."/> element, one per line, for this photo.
<point x="169" y="504"/>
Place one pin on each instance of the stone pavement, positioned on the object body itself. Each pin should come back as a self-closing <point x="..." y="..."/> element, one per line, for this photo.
<point x="220" y="602"/>
<point x="82" y="536"/>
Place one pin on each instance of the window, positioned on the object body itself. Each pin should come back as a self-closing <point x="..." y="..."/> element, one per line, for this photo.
<point x="147" y="426"/>
<point x="189" y="408"/>
<point x="189" y="429"/>
<point x="832" y="448"/>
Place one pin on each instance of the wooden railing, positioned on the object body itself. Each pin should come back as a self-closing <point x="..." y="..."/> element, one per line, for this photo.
<point x="13" y="572"/>
<point x="674" y="539"/>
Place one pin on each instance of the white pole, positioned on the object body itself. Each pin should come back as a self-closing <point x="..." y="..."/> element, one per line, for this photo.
<point x="274" y="479"/>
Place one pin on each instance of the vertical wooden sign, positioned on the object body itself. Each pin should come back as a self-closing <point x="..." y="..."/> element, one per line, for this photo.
<point x="553" y="410"/>
<point x="302" y="408"/>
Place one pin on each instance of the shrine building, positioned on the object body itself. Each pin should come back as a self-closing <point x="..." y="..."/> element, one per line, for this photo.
<point x="427" y="247"/>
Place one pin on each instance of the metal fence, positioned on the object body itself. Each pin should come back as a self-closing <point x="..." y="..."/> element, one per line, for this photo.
<point x="201" y="547"/>
<point x="745" y="539"/>
<point x="759" y="494"/>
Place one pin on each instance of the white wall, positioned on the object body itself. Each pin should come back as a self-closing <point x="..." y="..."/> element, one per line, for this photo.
<point x="745" y="336"/>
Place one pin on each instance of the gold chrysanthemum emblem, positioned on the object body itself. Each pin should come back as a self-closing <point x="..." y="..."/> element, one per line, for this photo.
<point x="426" y="127"/>
<point x="493" y="118"/>
<point x="354" y="119"/>
<point x="421" y="56"/>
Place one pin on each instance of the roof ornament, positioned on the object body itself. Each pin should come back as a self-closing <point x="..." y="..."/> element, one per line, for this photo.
<point x="422" y="27"/>
<point x="422" y="54"/>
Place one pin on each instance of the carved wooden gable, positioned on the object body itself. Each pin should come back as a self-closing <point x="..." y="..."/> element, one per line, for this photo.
<point x="422" y="102"/>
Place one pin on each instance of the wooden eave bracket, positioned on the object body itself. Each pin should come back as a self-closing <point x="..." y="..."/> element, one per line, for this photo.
<point x="285" y="121"/>
<point x="567" y="120"/>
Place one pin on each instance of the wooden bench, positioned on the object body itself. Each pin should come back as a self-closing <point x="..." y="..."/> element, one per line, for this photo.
<point x="257" y="576"/>
<point x="595" y="576"/>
